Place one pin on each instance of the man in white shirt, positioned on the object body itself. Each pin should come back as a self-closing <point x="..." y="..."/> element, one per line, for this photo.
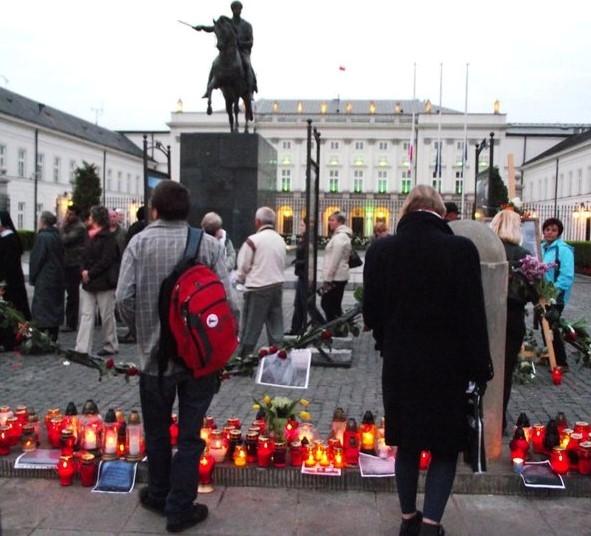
<point x="261" y="265"/>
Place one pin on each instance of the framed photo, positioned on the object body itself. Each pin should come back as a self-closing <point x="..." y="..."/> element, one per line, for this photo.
<point x="530" y="232"/>
<point x="291" y="372"/>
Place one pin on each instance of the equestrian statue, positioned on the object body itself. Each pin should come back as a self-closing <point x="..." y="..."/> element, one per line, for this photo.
<point x="231" y="71"/>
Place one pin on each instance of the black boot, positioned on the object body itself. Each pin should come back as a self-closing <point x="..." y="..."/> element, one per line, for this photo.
<point x="431" y="530"/>
<point x="411" y="527"/>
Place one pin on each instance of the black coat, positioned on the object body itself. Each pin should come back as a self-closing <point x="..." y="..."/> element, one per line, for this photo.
<point x="423" y="298"/>
<point x="11" y="272"/>
<point x="46" y="273"/>
<point x="101" y="259"/>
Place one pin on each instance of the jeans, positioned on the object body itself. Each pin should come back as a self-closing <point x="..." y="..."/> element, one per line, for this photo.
<point x="440" y="479"/>
<point x="105" y="300"/>
<point x="72" y="279"/>
<point x="175" y="478"/>
<point x="299" y="319"/>
<point x="515" y="333"/>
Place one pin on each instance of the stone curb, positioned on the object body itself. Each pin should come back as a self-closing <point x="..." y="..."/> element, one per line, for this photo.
<point x="466" y="483"/>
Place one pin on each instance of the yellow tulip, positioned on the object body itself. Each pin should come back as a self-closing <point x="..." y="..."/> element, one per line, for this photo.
<point x="267" y="400"/>
<point x="305" y="416"/>
<point x="304" y="402"/>
<point x="256" y="407"/>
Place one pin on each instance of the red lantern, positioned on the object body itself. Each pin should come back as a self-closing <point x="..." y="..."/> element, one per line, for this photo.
<point x="339" y="460"/>
<point x="65" y="470"/>
<point x="206" y="467"/>
<point x="252" y="439"/>
<point x="585" y="458"/>
<point x="22" y="415"/>
<point x="537" y="438"/>
<point x="239" y="455"/>
<point x="264" y="451"/>
<point x="88" y="469"/>
<point x="217" y="446"/>
<point x="339" y="423"/>
<point x="291" y="432"/>
<point x="15" y="430"/>
<point x="5" y="440"/>
<point x="424" y="460"/>
<point x="295" y="453"/>
<point x="556" y="376"/>
<point x="559" y="461"/>
<point x="582" y="427"/>
<point x="519" y="445"/>
<point x="233" y="422"/>
<point x="280" y="454"/>
<point x="68" y="441"/>
<point x="368" y="433"/>
<point x="351" y="443"/>
<point x="261" y="424"/>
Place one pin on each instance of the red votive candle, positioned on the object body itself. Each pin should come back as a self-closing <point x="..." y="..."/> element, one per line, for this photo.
<point x="88" y="469"/>
<point x="559" y="461"/>
<point x="537" y="438"/>
<point x="295" y="453"/>
<point x="65" y="470"/>
<point x="556" y="376"/>
<point x="424" y="460"/>
<point x="264" y="451"/>
<point x="585" y="458"/>
<point x="5" y="440"/>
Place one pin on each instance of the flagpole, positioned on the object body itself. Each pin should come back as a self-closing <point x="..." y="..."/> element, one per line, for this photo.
<point x="465" y="150"/>
<point x="438" y="163"/>
<point x="411" y="150"/>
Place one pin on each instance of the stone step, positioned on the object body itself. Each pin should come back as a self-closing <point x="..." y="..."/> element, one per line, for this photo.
<point x="341" y="357"/>
<point x="338" y="343"/>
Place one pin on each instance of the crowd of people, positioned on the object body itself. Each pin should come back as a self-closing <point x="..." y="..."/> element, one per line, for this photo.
<point x="411" y="278"/>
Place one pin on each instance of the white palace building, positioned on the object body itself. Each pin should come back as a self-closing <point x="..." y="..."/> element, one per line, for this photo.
<point x="364" y="155"/>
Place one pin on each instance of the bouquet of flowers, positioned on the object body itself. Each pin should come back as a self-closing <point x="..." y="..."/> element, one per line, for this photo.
<point x="278" y="410"/>
<point x="527" y="281"/>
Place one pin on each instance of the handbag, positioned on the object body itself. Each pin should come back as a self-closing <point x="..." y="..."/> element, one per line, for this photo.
<point x="354" y="259"/>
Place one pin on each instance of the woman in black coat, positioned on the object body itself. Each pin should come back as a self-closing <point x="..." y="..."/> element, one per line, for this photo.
<point x="11" y="274"/>
<point x="507" y="225"/>
<point x="423" y="299"/>
<point x="46" y="274"/>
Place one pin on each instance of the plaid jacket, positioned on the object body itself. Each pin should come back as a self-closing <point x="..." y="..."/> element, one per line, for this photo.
<point x="148" y="259"/>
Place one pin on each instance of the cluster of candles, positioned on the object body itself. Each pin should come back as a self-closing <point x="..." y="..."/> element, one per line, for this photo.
<point x="82" y="439"/>
<point x="299" y="446"/>
<point x="568" y="449"/>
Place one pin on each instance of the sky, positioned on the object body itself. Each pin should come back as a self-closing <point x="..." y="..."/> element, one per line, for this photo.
<point x="133" y="60"/>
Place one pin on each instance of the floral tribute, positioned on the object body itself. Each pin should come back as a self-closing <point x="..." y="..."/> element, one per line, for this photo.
<point x="279" y="415"/>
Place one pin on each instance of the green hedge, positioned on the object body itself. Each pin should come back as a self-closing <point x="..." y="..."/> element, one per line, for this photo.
<point x="582" y="256"/>
<point x="27" y="239"/>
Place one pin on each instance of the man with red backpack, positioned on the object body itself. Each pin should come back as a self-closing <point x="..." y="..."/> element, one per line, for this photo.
<point x="149" y="260"/>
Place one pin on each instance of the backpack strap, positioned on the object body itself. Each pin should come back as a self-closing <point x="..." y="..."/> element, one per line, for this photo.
<point x="194" y="237"/>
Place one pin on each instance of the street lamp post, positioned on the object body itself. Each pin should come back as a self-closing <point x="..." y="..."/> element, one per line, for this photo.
<point x="490" y="173"/>
<point x="479" y="147"/>
<point x="166" y="152"/>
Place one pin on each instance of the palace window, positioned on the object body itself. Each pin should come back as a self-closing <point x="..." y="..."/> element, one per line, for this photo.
<point x="57" y="164"/>
<point x="72" y="170"/>
<point x="358" y="181"/>
<point x="119" y="181"/>
<point x="383" y="145"/>
<point x="359" y="146"/>
<point x="437" y="184"/>
<point x="22" y="161"/>
<point x="382" y="182"/>
<point x="286" y="144"/>
<point x="333" y="181"/>
<point x="40" y="166"/>
<point x="334" y="145"/>
<point x="405" y="186"/>
<point x="286" y="180"/>
<point x="109" y="180"/>
<point x="2" y="159"/>
<point x="128" y="183"/>
<point x="459" y="186"/>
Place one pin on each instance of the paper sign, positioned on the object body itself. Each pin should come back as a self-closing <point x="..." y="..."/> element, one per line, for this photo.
<point x="38" y="459"/>
<point x="321" y="471"/>
<point x="374" y="467"/>
<point x="540" y="475"/>
<point x="116" y="477"/>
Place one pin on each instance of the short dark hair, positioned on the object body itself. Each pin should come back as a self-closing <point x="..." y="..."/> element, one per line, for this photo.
<point x="172" y="200"/>
<point x="450" y="206"/>
<point x="140" y="213"/>
<point x="553" y="221"/>
<point x="235" y="4"/>
<point x="75" y="209"/>
<point x="100" y="215"/>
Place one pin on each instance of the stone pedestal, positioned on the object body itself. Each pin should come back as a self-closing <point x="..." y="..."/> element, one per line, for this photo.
<point x="494" y="267"/>
<point x="231" y="174"/>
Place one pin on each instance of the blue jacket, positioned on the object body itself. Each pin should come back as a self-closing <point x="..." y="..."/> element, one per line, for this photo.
<point x="560" y="251"/>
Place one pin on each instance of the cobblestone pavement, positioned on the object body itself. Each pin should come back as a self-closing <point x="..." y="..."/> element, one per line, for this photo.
<point x="43" y="382"/>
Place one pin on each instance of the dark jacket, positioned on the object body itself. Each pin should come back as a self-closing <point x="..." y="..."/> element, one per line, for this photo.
<point x="11" y="272"/>
<point x="46" y="273"/>
<point x="73" y="237"/>
<point x="101" y="259"/>
<point x="300" y="259"/>
<point x="135" y="228"/>
<point x="519" y="292"/>
<point x="423" y="298"/>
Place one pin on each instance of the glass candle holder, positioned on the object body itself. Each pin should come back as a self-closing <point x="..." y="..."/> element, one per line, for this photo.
<point x="206" y="467"/>
<point x="22" y="414"/>
<point x="351" y="443"/>
<point x="134" y="440"/>
<point x="280" y="454"/>
<point x="261" y="425"/>
<point x="252" y="439"/>
<point x="15" y="430"/>
<point x="28" y="441"/>
<point x="235" y="439"/>
<point x="173" y="431"/>
<point x="295" y="453"/>
<point x="339" y="459"/>
<point x="217" y="446"/>
<point x="518" y="465"/>
<point x="537" y="438"/>
<point x="5" y="440"/>
<point x="264" y="451"/>
<point x="424" y="460"/>
<point x="88" y="469"/>
<point x="5" y="412"/>
<point x="239" y="455"/>
<point x="110" y="438"/>
<point x="582" y="427"/>
<point x="585" y="458"/>
<point x="65" y="470"/>
<point x="310" y="461"/>
<point x="234" y="422"/>
<point x="559" y="461"/>
<point x="34" y="420"/>
<point x="67" y="442"/>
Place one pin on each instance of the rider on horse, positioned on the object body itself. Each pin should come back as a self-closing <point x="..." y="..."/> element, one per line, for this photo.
<point x="243" y="30"/>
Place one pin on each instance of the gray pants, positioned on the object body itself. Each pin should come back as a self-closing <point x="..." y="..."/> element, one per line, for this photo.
<point x="261" y="307"/>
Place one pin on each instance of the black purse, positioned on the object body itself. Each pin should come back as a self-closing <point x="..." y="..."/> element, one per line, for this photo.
<point x="354" y="259"/>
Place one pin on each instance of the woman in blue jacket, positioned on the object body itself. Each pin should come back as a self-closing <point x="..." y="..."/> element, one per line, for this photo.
<point x="556" y="250"/>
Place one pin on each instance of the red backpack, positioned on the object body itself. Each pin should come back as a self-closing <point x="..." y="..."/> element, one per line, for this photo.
<point x="197" y="325"/>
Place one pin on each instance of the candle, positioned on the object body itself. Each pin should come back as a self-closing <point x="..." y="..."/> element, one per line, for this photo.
<point x="134" y="437"/>
<point x="537" y="438"/>
<point x="585" y="458"/>
<point x="110" y="441"/>
<point x="318" y="450"/>
<point x="290" y="431"/>
<point x="65" y="470"/>
<point x="264" y="451"/>
<point x="517" y="465"/>
<point x="368" y="433"/>
<point x="296" y="454"/>
<point x="351" y="443"/>
<point x="217" y="446"/>
<point x="559" y="461"/>
<point x="556" y="376"/>
<point x="239" y="455"/>
<point x="339" y="423"/>
<point x="34" y="420"/>
<point x="233" y="422"/>
<point x="339" y="459"/>
<point x="519" y="446"/>
<point x="261" y="424"/>
<point x="206" y="467"/>
<point x="5" y="440"/>
<point x="89" y="438"/>
<point x="5" y="412"/>
<point x="582" y="427"/>
<point x="306" y="431"/>
<point x="565" y="437"/>
<point x="88" y="469"/>
<point x="173" y="431"/>
<point x="252" y="439"/>
<point x="310" y="460"/>
<point x="22" y="415"/>
<point x="67" y="441"/>
<point x="424" y="460"/>
<point x="235" y="440"/>
<point x="280" y="454"/>
<point x="28" y="441"/>
<point x="324" y="461"/>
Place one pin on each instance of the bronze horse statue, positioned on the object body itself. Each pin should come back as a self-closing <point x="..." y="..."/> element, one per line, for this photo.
<point x="227" y="73"/>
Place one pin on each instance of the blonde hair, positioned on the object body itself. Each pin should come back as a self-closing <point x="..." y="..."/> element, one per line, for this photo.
<point x="423" y="197"/>
<point x="507" y="226"/>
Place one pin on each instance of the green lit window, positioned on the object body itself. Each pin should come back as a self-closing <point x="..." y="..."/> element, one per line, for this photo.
<point x="382" y="182"/>
<point x="333" y="181"/>
<point x="405" y="186"/>
<point x="358" y="181"/>
<point x="286" y="180"/>
<point x="437" y="184"/>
